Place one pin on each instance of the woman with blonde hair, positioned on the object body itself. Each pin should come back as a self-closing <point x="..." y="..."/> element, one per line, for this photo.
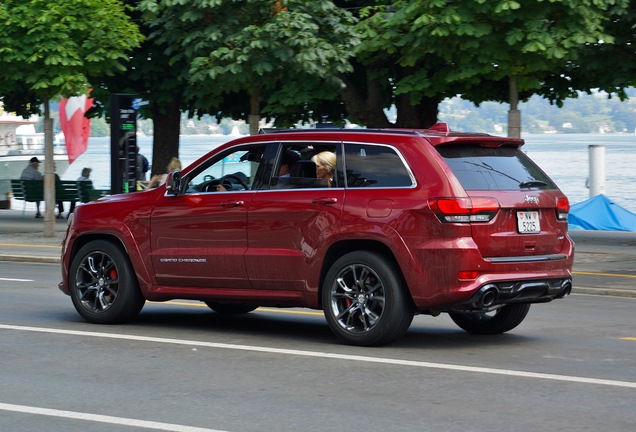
<point x="159" y="179"/>
<point x="325" y="166"/>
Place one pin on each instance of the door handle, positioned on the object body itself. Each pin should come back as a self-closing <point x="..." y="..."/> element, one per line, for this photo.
<point x="232" y="203"/>
<point x="324" y="200"/>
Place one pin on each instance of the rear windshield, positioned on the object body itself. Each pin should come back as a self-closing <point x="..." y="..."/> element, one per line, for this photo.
<point x="501" y="168"/>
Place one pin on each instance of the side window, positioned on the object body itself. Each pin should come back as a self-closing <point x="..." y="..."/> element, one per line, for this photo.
<point x="305" y="165"/>
<point x="233" y="170"/>
<point x="372" y="165"/>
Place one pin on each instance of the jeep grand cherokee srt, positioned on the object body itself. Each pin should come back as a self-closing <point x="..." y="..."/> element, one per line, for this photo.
<point x="411" y="222"/>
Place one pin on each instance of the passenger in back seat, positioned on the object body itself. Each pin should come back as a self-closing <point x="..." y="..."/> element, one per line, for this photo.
<point x="325" y="166"/>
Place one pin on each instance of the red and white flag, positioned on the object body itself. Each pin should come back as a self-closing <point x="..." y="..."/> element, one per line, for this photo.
<point x="75" y="126"/>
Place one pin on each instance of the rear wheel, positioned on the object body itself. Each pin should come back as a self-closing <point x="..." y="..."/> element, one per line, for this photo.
<point x="499" y="321"/>
<point x="103" y="285"/>
<point x="365" y="300"/>
<point x="230" y="308"/>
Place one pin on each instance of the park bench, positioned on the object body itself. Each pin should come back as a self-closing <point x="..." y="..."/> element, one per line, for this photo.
<point x="16" y="189"/>
<point x="27" y="191"/>
<point x="88" y="193"/>
<point x="65" y="190"/>
<point x="33" y="191"/>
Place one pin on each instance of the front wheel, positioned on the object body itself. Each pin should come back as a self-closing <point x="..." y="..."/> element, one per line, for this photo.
<point x="499" y="321"/>
<point x="103" y="285"/>
<point x="365" y="300"/>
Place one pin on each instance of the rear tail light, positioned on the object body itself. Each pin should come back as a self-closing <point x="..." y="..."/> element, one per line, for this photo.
<point x="563" y="208"/>
<point x="461" y="210"/>
<point x="467" y="275"/>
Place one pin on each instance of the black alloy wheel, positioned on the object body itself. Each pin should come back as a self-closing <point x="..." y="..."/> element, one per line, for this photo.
<point x="365" y="300"/>
<point x="103" y="285"/>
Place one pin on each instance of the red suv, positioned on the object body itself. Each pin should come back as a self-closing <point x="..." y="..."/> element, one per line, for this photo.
<point x="371" y="226"/>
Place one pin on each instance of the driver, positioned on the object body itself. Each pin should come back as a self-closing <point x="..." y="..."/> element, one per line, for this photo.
<point x="289" y="158"/>
<point x="238" y="176"/>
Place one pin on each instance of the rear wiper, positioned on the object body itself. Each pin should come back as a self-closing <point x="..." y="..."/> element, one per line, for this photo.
<point x="532" y="183"/>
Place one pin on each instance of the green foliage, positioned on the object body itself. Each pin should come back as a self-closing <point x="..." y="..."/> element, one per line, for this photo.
<point x="601" y="65"/>
<point x="292" y="57"/>
<point x="471" y="47"/>
<point x="253" y="46"/>
<point x="50" y="48"/>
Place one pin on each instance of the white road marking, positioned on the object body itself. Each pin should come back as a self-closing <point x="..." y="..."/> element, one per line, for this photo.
<point x="121" y="421"/>
<point x="318" y="354"/>
<point x="16" y="280"/>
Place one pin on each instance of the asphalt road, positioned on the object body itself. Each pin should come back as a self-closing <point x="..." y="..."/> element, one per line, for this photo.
<point x="571" y="366"/>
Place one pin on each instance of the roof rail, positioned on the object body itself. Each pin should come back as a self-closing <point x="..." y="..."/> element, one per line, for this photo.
<point x="336" y="129"/>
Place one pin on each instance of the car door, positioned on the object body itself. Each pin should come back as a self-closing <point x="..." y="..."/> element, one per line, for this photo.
<point x="290" y="223"/>
<point x="199" y="236"/>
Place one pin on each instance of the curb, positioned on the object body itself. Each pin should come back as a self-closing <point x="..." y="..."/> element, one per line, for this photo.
<point x="604" y="292"/>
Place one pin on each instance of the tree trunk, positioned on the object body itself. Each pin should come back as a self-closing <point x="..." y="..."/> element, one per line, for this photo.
<point x="166" y="120"/>
<point x="49" y="174"/>
<point x="368" y="109"/>
<point x="254" y="117"/>
<point x="514" y="115"/>
<point x="420" y="116"/>
<point x="365" y="103"/>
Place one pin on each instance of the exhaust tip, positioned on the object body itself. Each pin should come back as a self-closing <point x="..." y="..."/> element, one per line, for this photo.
<point x="488" y="296"/>
<point x="566" y="289"/>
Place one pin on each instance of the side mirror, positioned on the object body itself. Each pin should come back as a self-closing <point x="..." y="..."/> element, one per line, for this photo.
<point x="173" y="183"/>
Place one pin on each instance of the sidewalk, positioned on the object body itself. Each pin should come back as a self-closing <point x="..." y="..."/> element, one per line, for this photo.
<point x="22" y="238"/>
<point x="601" y="253"/>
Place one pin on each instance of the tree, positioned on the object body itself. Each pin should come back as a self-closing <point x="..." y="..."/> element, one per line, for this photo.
<point x="601" y="66"/>
<point x="158" y="79"/>
<point x="49" y="49"/>
<point x="254" y="55"/>
<point x="482" y="49"/>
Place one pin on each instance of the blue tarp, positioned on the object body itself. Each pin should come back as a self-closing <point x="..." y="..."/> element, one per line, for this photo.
<point x="601" y="213"/>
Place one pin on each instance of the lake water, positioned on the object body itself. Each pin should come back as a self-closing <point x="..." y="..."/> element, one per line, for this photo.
<point x="566" y="160"/>
<point x="565" y="157"/>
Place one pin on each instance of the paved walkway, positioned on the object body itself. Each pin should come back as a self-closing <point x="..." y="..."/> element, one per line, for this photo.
<point x="609" y="255"/>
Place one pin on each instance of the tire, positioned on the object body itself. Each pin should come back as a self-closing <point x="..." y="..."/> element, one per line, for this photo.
<point x="365" y="300"/>
<point x="230" y="308"/>
<point x="501" y="321"/>
<point x="103" y="284"/>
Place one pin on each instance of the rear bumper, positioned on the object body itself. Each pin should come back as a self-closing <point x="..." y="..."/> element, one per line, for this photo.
<point x="507" y="292"/>
<point x="438" y="283"/>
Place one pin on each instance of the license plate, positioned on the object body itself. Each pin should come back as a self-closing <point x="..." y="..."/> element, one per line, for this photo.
<point x="528" y="222"/>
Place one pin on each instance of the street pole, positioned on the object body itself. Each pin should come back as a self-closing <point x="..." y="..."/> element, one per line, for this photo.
<point x="597" y="169"/>
<point x="514" y="115"/>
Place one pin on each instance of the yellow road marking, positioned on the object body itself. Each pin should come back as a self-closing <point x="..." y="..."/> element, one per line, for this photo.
<point x="629" y="339"/>
<point x="295" y="312"/>
<point x="180" y="303"/>
<point x="262" y="309"/>
<point x="604" y="274"/>
<point x="30" y="245"/>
